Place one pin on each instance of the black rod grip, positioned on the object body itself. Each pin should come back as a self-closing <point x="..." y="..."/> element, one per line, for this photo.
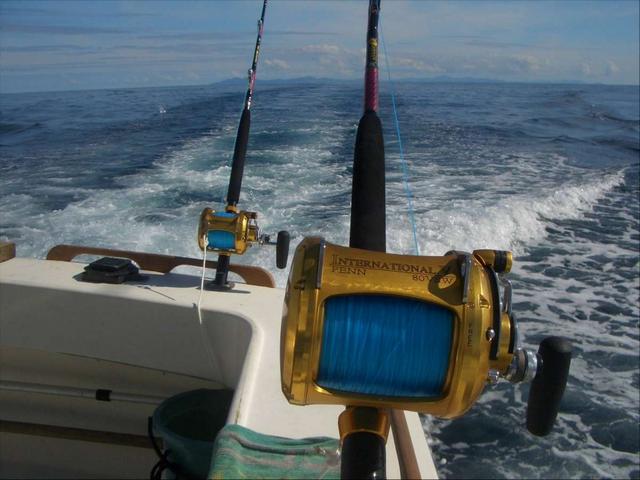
<point x="548" y="386"/>
<point x="282" y="249"/>
<point x="368" y="222"/>
<point x="363" y="456"/>
<point x="239" y="154"/>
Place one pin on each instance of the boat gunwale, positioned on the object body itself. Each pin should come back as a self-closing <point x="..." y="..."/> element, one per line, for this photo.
<point x="161" y="263"/>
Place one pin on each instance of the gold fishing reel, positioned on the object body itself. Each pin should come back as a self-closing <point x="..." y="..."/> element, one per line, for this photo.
<point x="227" y="232"/>
<point x="232" y="232"/>
<point x="382" y="330"/>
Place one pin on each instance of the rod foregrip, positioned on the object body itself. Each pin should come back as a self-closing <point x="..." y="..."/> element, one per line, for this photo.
<point x="368" y="223"/>
<point x="239" y="155"/>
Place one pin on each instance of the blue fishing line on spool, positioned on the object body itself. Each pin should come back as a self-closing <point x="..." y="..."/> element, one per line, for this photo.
<point x="405" y="170"/>
<point x="222" y="239"/>
<point x="385" y="345"/>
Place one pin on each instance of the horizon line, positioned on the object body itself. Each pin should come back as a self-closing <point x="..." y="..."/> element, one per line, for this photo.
<point x="436" y="79"/>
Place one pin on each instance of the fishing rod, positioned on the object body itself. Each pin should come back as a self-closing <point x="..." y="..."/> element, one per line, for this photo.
<point x="368" y="218"/>
<point x="233" y="231"/>
<point x="381" y="333"/>
<point x="364" y="430"/>
<point x="242" y="137"/>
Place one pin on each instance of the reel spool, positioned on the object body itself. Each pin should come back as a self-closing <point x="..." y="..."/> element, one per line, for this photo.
<point x="232" y="232"/>
<point x="416" y="333"/>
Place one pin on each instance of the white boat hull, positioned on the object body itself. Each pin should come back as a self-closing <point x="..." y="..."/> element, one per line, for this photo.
<point x="140" y="338"/>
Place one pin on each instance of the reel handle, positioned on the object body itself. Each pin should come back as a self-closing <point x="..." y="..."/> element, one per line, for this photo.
<point x="282" y="249"/>
<point x="548" y="385"/>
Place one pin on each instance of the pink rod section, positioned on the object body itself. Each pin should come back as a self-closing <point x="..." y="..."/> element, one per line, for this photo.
<point x="371" y="89"/>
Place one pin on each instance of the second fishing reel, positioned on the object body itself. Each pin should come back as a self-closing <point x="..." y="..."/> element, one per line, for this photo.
<point x="417" y="333"/>
<point x="233" y="232"/>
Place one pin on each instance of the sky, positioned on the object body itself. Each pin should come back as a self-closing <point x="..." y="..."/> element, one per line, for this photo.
<point x="81" y="44"/>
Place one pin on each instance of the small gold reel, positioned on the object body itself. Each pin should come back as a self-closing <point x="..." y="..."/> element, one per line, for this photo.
<point x="228" y="232"/>
<point x="232" y="232"/>
<point x="382" y="330"/>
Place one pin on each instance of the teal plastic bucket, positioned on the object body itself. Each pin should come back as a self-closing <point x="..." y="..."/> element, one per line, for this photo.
<point x="188" y="424"/>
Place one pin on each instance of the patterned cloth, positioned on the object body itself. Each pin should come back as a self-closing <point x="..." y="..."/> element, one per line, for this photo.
<point x="242" y="453"/>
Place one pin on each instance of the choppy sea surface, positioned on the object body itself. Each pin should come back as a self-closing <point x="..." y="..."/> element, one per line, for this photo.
<point x="548" y="171"/>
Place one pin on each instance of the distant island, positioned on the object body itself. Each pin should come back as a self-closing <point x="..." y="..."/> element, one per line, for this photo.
<point x="239" y="81"/>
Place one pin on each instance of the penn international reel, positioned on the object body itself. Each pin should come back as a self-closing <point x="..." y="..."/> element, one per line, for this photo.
<point x="415" y="333"/>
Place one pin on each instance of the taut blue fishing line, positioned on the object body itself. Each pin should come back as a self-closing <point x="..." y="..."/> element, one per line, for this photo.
<point x="385" y="345"/>
<point x="405" y="170"/>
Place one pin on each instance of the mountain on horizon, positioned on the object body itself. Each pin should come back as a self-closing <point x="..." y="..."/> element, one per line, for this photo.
<point x="238" y="81"/>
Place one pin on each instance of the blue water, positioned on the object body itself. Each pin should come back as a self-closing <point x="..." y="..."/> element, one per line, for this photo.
<point x="548" y="171"/>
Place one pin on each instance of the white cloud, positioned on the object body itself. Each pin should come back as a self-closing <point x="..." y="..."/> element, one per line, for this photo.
<point x="525" y="63"/>
<point x="518" y="66"/>
<point x="417" y="65"/>
<point x="277" y="64"/>
<point x="586" y="69"/>
<point x="611" y="68"/>
<point x="323" y="49"/>
<point x="593" y="69"/>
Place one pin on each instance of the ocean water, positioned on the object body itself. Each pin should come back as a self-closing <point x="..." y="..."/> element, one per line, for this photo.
<point x="548" y="171"/>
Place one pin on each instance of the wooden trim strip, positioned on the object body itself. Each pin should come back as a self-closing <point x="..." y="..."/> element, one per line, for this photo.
<point x="79" y="434"/>
<point x="7" y="251"/>
<point x="161" y="263"/>
<point x="404" y="447"/>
